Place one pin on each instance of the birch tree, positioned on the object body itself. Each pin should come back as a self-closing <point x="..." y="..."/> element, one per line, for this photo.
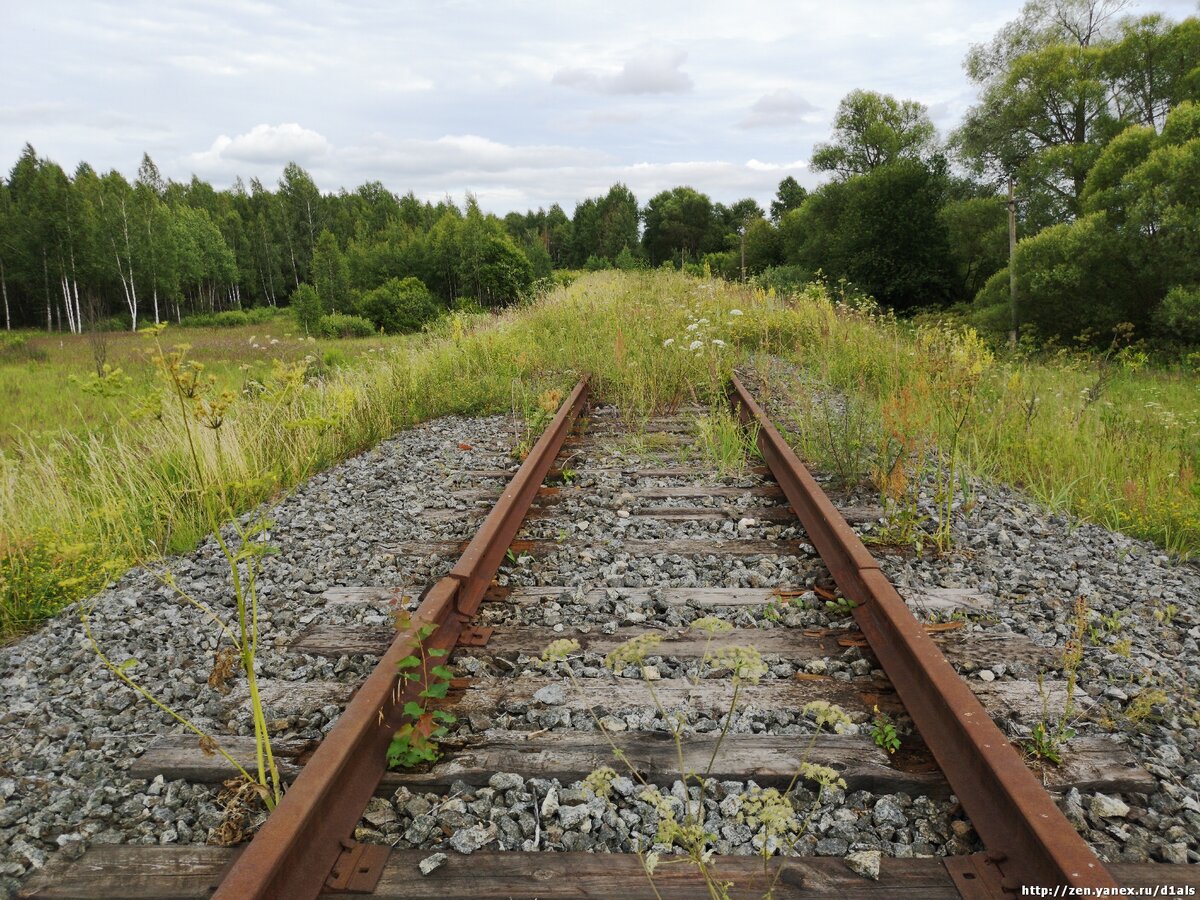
<point x="6" y="249"/>
<point x="300" y="203"/>
<point x="152" y="225"/>
<point x="119" y="232"/>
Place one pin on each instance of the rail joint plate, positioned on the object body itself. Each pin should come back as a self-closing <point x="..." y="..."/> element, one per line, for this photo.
<point x="358" y="868"/>
<point x="977" y="876"/>
<point x="475" y="636"/>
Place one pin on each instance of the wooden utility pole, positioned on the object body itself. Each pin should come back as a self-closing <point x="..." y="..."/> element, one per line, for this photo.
<point x="1015" y="333"/>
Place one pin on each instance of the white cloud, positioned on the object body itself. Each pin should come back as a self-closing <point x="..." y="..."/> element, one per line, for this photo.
<point x="403" y="83"/>
<point x="781" y="107"/>
<point x="756" y="166"/>
<point x="456" y="155"/>
<point x="276" y="144"/>
<point x="502" y="176"/>
<point x="649" y="71"/>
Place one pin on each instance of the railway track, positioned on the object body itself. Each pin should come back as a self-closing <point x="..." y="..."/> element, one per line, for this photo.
<point x="527" y="731"/>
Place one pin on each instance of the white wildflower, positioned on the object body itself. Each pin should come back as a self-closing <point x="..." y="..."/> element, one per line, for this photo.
<point x="717" y="342"/>
<point x="695" y="345"/>
<point x="704" y="321"/>
<point x="735" y="312"/>
<point x="693" y="326"/>
<point x="668" y="342"/>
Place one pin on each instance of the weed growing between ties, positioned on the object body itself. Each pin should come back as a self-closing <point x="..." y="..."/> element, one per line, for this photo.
<point x="536" y="417"/>
<point x="417" y="740"/>
<point x="726" y="442"/>
<point x="883" y="732"/>
<point x="199" y="412"/>
<point x="683" y="836"/>
<point x="1050" y="735"/>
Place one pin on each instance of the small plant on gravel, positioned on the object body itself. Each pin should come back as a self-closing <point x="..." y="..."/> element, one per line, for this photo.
<point x="883" y="732"/>
<point x="835" y="431"/>
<point x="1141" y="707"/>
<point x="1049" y="735"/>
<point x="535" y="417"/>
<point x="417" y="740"/>
<point x="725" y="441"/>
<point x="958" y="360"/>
<point x="683" y="835"/>
<point x="902" y="463"/>
<point x="839" y="605"/>
<point x="1166" y="615"/>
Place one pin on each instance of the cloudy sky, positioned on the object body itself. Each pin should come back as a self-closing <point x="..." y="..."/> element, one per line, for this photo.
<point x="524" y="104"/>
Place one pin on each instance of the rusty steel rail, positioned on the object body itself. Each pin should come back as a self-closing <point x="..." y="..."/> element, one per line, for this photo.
<point x="294" y="852"/>
<point x="1028" y="840"/>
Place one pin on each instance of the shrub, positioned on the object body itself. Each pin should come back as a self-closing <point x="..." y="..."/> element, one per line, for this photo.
<point x="399" y="305"/>
<point x="1078" y="277"/>
<point x="991" y="310"/>
<point x="230" y="319"/>
<point x="307" y="307"/>
<point x="627" y="261"/>
<point x="16" y="348"/>
<point x="726" y="263"/>
<point x="333" y="358"/>
<point x="597" y="263"/>
<point x="337" y="325"/>
<point x="785" y="280"/>
<point x="1178" y="318"/>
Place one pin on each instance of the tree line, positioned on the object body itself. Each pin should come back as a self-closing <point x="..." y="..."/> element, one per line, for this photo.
<point x="1084" y="147"/>
<point x="1087" y="130"/>
<point x="1088" y="120"/>
<point x="87" y="247"/>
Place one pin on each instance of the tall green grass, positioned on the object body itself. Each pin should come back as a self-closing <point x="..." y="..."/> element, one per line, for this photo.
<point x="78" y="506"/>
<point x="1104" y="439"/>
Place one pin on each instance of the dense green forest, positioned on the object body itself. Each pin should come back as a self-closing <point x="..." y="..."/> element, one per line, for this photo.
<point x="1090" y="118"/>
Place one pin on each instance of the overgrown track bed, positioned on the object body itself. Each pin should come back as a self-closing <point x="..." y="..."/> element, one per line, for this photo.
<point x="589" y="565"/>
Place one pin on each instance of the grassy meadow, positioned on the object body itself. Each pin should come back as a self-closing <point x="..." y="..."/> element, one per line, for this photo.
<point x="48" y="382"/>
<point x="99" y="473"/>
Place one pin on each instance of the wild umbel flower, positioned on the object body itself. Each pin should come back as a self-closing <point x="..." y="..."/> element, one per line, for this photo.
<point x="712" y="625"/>
<point x="717" y="342"/>
<point x="826" y="713"/>
<point x="633" y="652"/>
<point x="668" y="342"/>
<point x="600" y="781"/>
<point x="695" y="345"/>
<point x="770" y="810"/>
<point x="822" y="775"/>
<point x="558" y="650"/>
<point x="745" y="663"/>
<point x="735" y="312"/>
